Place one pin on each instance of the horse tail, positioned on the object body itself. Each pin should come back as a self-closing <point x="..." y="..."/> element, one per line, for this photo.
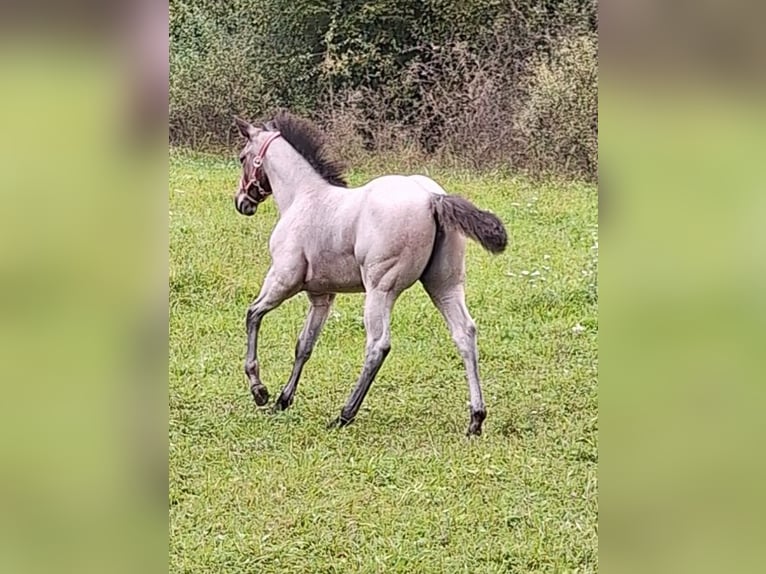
<point x="454" y="212"/>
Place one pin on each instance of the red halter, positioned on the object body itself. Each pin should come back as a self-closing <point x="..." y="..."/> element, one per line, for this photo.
<point x="258" y="176"/>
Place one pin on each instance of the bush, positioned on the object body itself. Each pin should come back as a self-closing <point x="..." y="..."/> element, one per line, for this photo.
<point x="480" y="82"/>
<point x="559" y="118"/>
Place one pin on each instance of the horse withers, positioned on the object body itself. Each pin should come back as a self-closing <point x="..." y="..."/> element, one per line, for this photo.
<point x="379" y="239"/>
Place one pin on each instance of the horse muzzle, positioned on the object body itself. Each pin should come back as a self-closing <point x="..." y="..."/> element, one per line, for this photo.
<point x="244" y="204"/>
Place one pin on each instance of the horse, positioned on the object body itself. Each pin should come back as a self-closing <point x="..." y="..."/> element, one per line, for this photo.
<point x="380" y="239"/>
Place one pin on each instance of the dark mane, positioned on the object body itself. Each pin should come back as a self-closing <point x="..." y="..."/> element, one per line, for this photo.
<point x="309" y="141"/>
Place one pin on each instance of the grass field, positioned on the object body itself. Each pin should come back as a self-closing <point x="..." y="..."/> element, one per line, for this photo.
<point x="402" y="489"/>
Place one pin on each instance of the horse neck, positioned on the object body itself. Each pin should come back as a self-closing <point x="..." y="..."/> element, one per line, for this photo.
<point x="289" y="174"/>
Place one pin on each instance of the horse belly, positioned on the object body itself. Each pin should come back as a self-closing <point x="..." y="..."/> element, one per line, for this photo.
<point x="333" y="273"/>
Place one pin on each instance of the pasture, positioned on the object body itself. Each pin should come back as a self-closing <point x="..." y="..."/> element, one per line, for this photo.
<point x="401" y="489"/>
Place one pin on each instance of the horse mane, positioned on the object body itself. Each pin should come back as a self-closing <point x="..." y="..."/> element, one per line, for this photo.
<point x="309" y="141"/>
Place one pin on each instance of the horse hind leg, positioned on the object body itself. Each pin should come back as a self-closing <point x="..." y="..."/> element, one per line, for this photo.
<point x="451" y="303"/>
<point x="443" y="281"/>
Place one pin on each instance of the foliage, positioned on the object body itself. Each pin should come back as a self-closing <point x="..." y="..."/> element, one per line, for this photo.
<point x="398" y="70"/>
<point x="559" y="118"/>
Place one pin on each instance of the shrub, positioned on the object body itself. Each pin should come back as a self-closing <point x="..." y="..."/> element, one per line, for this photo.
<point x="559" y="118"/>
<point x="479" y="82"/>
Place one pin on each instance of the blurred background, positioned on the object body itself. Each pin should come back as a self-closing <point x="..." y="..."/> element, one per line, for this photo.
<point x="84" y="114"/>
<point x="83" y="286"/>
<point x="682" y="277"/>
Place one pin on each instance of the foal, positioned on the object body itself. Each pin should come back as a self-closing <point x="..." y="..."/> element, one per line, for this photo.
<point x="379" y="238"/>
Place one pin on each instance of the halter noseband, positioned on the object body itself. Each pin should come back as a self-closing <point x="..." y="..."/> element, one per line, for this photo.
<point x="258" y="175"/>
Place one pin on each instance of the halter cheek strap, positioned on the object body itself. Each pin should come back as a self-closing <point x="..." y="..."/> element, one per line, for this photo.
<point x="258" y="173"/>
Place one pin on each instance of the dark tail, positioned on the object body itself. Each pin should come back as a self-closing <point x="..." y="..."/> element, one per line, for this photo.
<point x="453" y="212"/>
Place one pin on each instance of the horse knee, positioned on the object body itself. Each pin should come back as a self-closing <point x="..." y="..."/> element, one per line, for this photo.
<point x="380" y="346"/>
<point x="255" y="313"/>
<point x="252" y="315"/>
<point x="302" y="351"/>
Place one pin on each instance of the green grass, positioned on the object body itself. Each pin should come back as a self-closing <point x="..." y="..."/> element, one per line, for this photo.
<point x="402" y="489"/>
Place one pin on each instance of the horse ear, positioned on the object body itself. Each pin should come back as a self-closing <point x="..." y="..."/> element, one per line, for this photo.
<point x="270" y="126"/>
<point x="245" y="127"/>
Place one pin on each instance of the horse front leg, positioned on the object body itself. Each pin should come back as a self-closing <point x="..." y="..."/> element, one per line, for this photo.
<point x="276" y="289"/>
<point x="320" y="309"/>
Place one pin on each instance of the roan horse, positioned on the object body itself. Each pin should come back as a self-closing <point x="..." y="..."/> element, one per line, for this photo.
<point x="379" y="238"/>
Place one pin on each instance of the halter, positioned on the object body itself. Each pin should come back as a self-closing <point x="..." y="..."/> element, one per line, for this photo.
<point x="258" y="175"/>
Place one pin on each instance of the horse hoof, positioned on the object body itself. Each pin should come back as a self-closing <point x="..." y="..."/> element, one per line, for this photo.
<point x="473" y="430"/>
<point x="338" y="422"/>
<point x="260" y="395"/>
<point x="477" y="418"/>
<point x="282" y="404"/>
